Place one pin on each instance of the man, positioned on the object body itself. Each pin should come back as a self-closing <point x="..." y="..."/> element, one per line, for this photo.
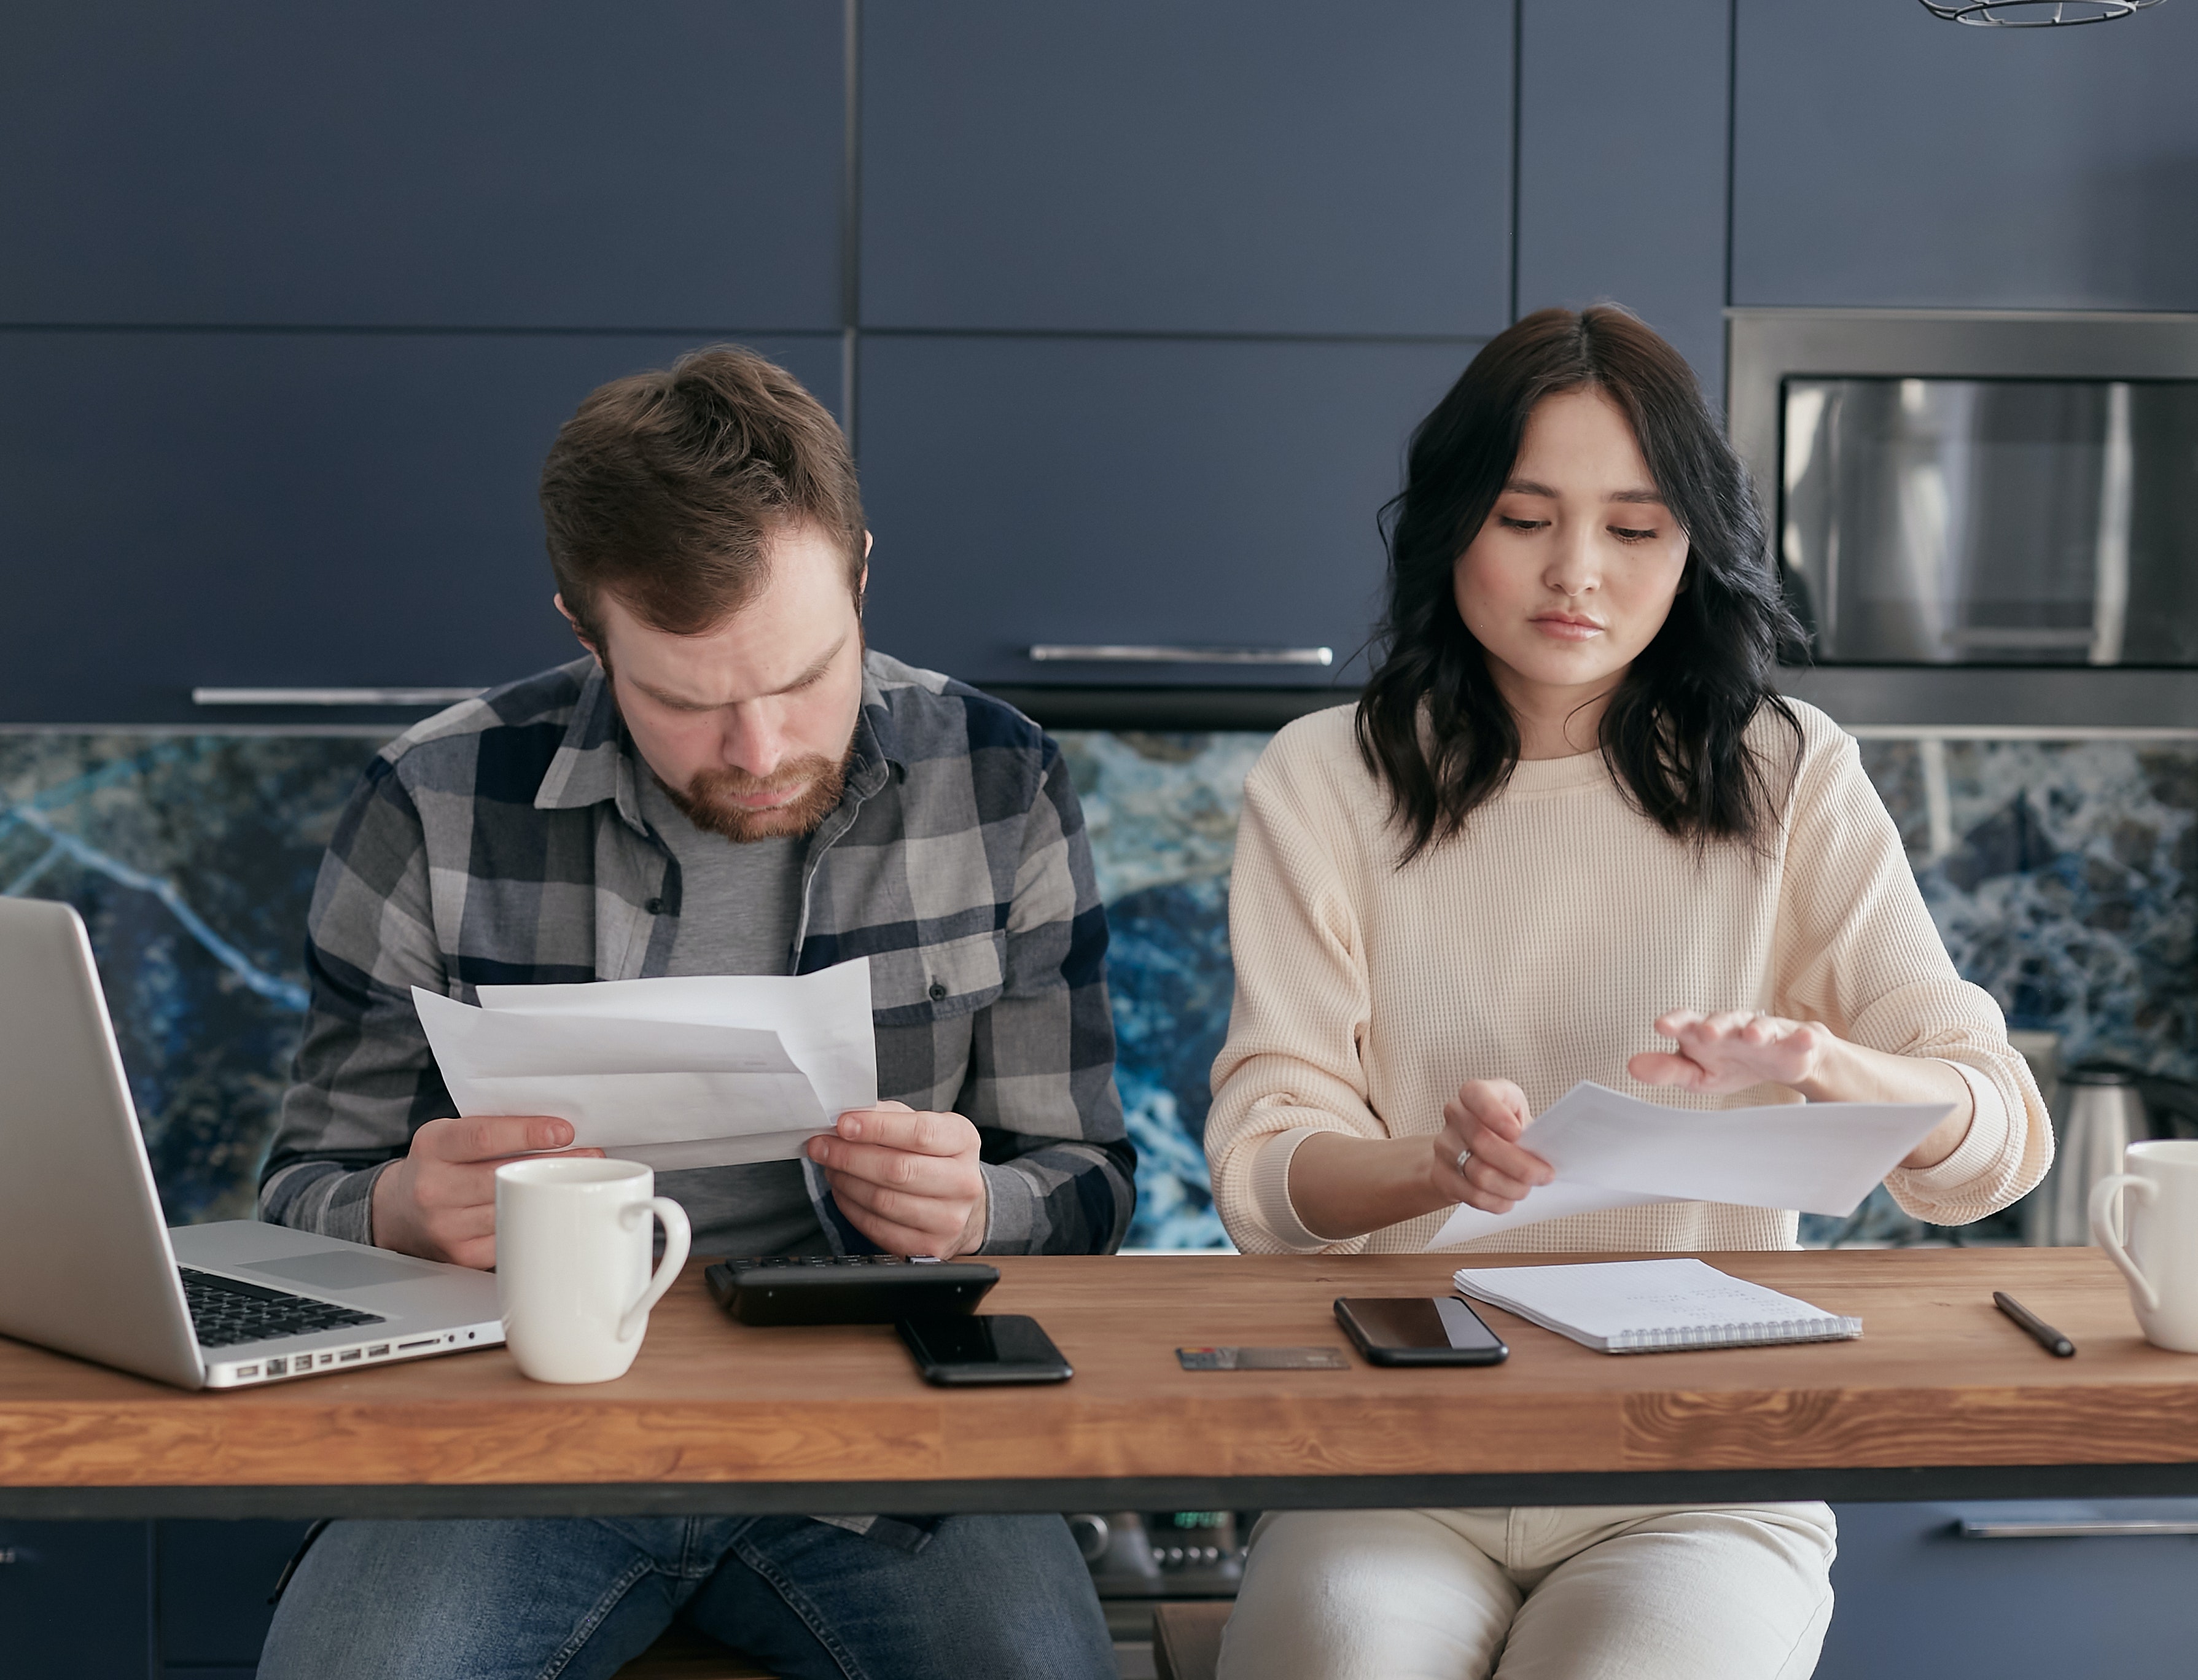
<point x="728" y="783"/>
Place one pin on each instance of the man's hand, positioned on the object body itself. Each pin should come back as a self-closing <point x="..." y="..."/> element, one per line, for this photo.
<point x="440" y="1201"/>
<point x="1484" y="1120"/>
<point x="1734" y="1049"/>
<point x="909" y="1180"/>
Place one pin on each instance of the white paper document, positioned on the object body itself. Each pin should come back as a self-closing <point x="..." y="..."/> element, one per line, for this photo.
<point x="709" y="1070"/>
<point x="1611" y="1150"/>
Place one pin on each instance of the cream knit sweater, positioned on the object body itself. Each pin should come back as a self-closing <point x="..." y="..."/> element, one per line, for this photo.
<point x="1539" y="943"/>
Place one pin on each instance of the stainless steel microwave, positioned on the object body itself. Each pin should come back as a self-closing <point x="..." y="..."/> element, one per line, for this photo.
<point x="1980" y="519"/>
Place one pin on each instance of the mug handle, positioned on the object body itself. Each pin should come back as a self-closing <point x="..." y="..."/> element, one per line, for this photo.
<point x="2103" y="1233"/>
<point x="677" y="1234"/>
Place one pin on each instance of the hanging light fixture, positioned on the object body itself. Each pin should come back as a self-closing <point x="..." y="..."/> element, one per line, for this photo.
<point x="2033" y="14"/>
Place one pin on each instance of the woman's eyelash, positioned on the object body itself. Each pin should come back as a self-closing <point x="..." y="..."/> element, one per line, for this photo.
<point x="1625" y="533"/>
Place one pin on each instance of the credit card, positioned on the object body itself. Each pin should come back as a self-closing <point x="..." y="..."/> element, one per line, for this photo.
<point x="1262" y="1359"/>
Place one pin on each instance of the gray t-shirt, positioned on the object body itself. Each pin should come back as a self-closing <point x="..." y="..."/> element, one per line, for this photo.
<point x="738" y="904"/>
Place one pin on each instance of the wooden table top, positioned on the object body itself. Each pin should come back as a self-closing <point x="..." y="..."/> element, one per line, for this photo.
<point x="827" y="1415"/>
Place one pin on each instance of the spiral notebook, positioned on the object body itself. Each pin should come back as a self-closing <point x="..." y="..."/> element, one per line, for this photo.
<point x="1652" y="1306"/>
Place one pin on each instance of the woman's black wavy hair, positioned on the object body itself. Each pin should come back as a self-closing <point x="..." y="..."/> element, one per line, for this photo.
<point x="1431" y="725"/>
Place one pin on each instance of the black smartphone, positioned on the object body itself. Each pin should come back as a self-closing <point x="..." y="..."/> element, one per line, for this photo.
<point x="1419" y="1330"/>
<point x="983" y="1348"/>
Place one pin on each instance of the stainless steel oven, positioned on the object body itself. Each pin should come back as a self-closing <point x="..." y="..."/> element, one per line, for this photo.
<point x="1981" y="518"/>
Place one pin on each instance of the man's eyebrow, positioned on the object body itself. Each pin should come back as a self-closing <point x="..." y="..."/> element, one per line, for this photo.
<point x="816" y="670"/>
<point x="680" y="703"/>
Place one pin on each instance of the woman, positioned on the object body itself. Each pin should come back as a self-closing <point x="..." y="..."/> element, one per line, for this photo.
<point x="1570" y="832"/>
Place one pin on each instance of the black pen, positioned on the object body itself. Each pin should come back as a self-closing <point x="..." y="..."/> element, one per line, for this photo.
<point x="2040" y="1332"/>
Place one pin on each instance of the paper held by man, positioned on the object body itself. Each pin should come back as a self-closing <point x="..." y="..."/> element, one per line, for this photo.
<point x="1611" y="1150"/>
<point x="713" y="1070"/>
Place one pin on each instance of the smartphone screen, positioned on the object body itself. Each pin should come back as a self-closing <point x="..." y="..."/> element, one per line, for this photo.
<point x="991" y="1348"/>
<point x="1419" y="1330"/>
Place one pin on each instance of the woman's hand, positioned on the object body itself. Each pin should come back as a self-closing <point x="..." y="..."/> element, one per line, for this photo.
<point x="1739" y="1048"/>
<point x="1343" y="1186"/>
<point x="1482" y="1124"/>
<point x="1733" y="1050"/>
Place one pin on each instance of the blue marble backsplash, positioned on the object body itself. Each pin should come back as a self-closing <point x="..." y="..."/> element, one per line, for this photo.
<point x="2061" y="875"/>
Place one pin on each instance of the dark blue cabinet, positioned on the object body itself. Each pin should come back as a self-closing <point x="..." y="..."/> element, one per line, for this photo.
<point x="1881" y="157"/>
<point x="1143" y="296"/>
<point x="504" y="163"/>
<point x="1916" y="1597"/>
<point x="76" y="1599"/>
<point x="1140" y="166"/>
<point x="177" y="1600"/>
<point x="1622" y="146"/>
<point x="297" y="297"/>
<point x="215" y="1579"/>
<point x="181" y="509"/>
<point x="1084" y="490"/>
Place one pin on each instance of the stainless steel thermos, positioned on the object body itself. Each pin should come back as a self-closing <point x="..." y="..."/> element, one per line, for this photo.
<point x="2099" y="1114"/>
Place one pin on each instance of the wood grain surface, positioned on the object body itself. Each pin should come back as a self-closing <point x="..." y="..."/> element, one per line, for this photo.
<point x="1938" y="1378"/>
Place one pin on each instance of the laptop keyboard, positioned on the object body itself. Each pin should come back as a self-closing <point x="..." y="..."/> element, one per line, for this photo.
<point x="225" y="1312"/>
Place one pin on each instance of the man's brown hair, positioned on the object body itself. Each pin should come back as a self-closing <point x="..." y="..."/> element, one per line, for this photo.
<point x="664" y="488"/>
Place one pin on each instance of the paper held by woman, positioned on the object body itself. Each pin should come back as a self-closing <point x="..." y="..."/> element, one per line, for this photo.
<point x="1611" y="1150"/>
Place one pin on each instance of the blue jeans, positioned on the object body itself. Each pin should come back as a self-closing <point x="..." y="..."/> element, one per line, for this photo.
<point x="575" y="1598"/>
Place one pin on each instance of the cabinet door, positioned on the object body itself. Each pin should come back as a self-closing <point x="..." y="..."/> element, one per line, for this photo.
<point x="1089" y="490"/>
<point x="1882" y="157"/>
<point x="1240" y="165"/>
<point x="181" y="509"/>
<point x="215" y="1579"/>
<point x="1622" y="146"/>
<point x="502" y="162"/>
<point x="1914" y="1596"/>
<point x="76" y="1599"/>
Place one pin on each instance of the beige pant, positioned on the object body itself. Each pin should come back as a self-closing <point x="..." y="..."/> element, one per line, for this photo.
<point x="1536" y="1593"/>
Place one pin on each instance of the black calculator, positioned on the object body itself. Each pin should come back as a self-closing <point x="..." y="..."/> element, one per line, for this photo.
<point x="847" y="1288"/>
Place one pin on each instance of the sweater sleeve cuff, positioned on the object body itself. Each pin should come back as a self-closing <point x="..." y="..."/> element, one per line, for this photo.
<point x="1270" y="1192"/>
<point x="1979" y="1151"/>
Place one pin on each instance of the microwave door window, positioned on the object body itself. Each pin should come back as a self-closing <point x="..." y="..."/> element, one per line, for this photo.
<point x="1992" y="521"/>
<point x="2163" y="523"/>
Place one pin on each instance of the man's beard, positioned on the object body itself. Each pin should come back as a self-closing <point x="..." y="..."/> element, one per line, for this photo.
<point x="708" y="799"/>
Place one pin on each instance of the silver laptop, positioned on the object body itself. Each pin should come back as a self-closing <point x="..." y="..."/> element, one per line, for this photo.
<point x="87" y="1267"/>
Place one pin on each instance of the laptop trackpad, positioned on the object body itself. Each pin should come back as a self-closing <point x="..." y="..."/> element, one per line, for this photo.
<point x="343" y="1269"/>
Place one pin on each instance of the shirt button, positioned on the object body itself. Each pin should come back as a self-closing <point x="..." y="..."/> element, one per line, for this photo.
<point x="654" y="907"/>
<point x="938" y="990"/>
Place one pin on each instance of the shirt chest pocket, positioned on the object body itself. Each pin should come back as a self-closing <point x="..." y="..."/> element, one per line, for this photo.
<point x="928" y="982"/>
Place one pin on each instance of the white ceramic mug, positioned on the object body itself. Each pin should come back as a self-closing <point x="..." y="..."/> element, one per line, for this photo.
<point x="2159" y="1203"/>
<point x="571" y="1264"/>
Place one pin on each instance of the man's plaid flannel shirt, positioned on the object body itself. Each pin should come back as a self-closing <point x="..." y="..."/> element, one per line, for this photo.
<point x="501" y="843"/>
